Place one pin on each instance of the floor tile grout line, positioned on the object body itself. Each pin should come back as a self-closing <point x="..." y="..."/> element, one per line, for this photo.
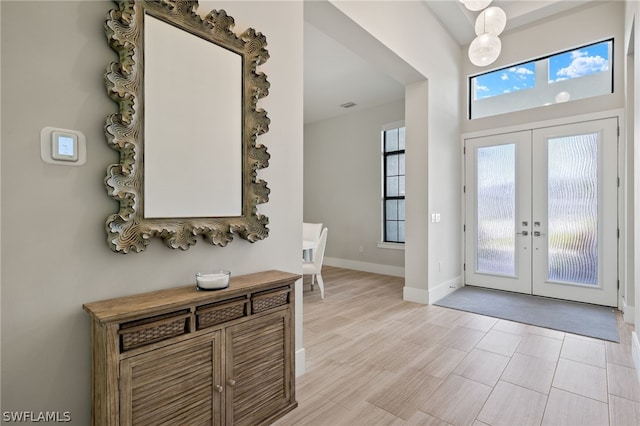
<point x="553" y="378"/>
<point x="607" y="372"/>
<point x="584" y="396"/>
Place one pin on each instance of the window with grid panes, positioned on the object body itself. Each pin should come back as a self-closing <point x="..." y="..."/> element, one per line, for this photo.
<point x="393" y="145"/>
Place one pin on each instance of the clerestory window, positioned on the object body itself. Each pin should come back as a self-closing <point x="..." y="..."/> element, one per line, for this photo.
<point x="567" y="76"/>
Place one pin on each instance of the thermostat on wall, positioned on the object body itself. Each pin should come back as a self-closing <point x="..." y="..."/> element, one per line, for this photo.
<point x="63" y="146"/>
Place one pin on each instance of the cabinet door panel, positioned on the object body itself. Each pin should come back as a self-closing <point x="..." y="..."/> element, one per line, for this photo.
<point x="173" y="385"/>
<point x="259" y="365"/>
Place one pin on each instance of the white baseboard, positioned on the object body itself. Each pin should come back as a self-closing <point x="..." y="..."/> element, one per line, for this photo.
<point x="300" y="362"/>
<point x="396" y="271"/>
<point x="443" y="289"/>
<point x="635" y="353"/>
<point x="628" y="313"/>
<point x="416" y="295"/>
<point x="410" y="294"/>
<point x="431" y="296"/>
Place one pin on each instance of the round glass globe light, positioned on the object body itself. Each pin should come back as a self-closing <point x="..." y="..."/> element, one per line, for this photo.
<point x="484" y="49"/>
<point x="491" y="20"/>
<point x="475" y="5"/>
<point x="563" y="97"/>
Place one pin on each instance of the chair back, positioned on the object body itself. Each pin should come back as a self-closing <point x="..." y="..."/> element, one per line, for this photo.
<point x="311" y="231"/>
<point x="318" y="254"/>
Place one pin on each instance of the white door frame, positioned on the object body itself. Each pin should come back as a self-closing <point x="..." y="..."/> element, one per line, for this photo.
<point x="622" y="207"/>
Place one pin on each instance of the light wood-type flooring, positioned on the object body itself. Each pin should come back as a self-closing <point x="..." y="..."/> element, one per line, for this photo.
<point x="373" y="359"/>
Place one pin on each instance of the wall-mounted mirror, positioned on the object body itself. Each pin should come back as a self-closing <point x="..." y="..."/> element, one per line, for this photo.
<point x="187" y="90"/>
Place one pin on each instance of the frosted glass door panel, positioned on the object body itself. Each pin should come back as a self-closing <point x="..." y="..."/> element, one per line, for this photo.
<point x="498" y="210"/>
<point x="495" y="198"/>
<point x="573" y="209"/>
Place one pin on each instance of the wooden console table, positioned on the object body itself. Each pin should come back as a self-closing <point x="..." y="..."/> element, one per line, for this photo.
<point x="187" y="357"/>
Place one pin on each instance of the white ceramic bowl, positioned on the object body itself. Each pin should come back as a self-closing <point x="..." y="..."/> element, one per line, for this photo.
<point x="214" y="280"/>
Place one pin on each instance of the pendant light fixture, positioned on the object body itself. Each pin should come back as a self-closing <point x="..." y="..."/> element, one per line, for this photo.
<point x="486" y="47"/>
<point x="491" y="20"/>
<point x="475" y="5"/>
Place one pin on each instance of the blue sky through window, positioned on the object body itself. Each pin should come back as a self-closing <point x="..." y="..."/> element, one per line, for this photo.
<point x="576" y="63"/>
<point x="506" y="80"/>
<point x="580" y="62"/>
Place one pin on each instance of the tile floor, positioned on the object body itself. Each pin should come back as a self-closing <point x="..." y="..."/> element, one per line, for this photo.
<point x="373" y="359"/>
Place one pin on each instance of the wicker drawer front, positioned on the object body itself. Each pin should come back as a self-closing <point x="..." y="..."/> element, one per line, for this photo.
<point x="264" y="301"/>
<point x="151" y="330"/>
<point x="217" y="313"/>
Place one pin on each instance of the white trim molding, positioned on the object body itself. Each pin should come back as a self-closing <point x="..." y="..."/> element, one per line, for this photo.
<point x="443" y="289"/>
<point x="416" y="295"/>
<point x="391" y="246"/>
<point x="635" y="353"/>
<point x="376" y="268"/>
<point x="614" y="113"/>
<point x="300" y="362"/>
<point x="628" y="312"/>
<point x="432" y="295"/>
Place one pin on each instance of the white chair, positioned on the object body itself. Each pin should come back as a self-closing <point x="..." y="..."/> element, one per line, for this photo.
<point x="314" y="268"/>
<point x="310" y="236"/>
<point x="311" y="231"/>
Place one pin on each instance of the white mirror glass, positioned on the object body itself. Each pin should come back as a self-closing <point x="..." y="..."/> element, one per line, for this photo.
<point x="192" y="125"/>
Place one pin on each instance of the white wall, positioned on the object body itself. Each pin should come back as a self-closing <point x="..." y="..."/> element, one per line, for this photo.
<point x="411" y="32"/>
<point x="632" y="40"/>
<point x="0" y="211"/>
<point x="630" y="82"/>
<point x="54" y="251"/>
<point x="342" y="185"/>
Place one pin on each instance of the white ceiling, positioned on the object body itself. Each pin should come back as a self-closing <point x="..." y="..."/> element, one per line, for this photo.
<point x="334" y="75"/>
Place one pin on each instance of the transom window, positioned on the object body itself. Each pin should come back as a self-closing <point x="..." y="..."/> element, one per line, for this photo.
<point x="393" y="145"/>
<point x="567" y="76"/>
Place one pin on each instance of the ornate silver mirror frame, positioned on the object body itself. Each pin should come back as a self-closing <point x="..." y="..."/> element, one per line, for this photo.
<point x="129" y="229"/>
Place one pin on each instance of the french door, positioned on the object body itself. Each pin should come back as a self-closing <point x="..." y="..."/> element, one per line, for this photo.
<point x="541" y="212"/>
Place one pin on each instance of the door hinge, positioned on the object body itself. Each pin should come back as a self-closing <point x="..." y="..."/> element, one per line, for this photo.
<point x="618" y="181"/>
<point x="464" y="228"/>
<point x="464" y="150"/>
<point x="464" y="189"/>
<point x="618" y="284"/>
<point x="618" y="130"/>
<point x="618" y="233"/>
<point x="464" y="266"/>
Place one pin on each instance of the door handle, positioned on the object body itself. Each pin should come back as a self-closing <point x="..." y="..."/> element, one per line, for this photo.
<point x="537" y="233"/>
<point x="523" y="233"/>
